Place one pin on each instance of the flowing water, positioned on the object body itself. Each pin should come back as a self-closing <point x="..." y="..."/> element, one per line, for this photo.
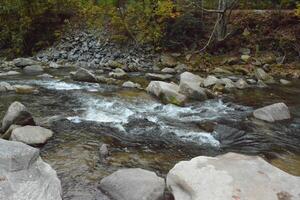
<point x="144" y="133"/>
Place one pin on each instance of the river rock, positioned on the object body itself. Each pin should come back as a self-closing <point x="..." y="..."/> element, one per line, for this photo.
<point x="190" y="86"/>
<point x="83" y="75"/>
<point x="159" y="77"/>
<point x="4" y="87"/>
<point x="24" y="175"/>
<point x="10" y="73"/>
<point x="133" y="184"/>
<point x="219" y="70"/>
<point x="129" y="84"/>
<point x="241" y="84"/>
<point x="272" y="113"/>
<point x="245" y="58"/>
<point x="45" y="76"/>
<point x="32" y="135"/>
<point x="167" y="92"/>
<point x="33" y="69"/>
<point x="210" y="81"/>
<point x="229" y="84"/>
<point x="118" y="73"/>
<point x="260" y="74"/>
<point x="16" y="114"/>
<point x="231" y="176"/>
<point x="168" y="61"/>
<point x="23" y="62"/>
<point x="25" y="89"/>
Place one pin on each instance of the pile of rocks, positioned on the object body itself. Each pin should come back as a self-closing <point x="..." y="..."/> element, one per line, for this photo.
<point x="91" y="49"/>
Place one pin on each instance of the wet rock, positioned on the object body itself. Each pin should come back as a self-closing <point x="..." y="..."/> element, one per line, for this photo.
<point x="251" y="81"/>
<point x="168" y="61"/>
<point x="190" y="86"/>
<point x="260" y="74"/>
<point x="133" y="184"/>
<point x="129" y="84"/>
<point x="54" y="65"/>
<point x="10" y="73"/>
<point x="32" y="135"/>
<point x="24" y="175"/>
<point x="230" y="176"/>
<point x="168" y="70"/>
<point x="219" y="88"/>
<point x="118" y="73"/>
<point x="167" y="92"/>
<point x="210" y="81"/>
<point x="16" y="114"/>
<point x="33" y="69"/>
<point x="4" y="87"/>
<point x="83" y="75"/>
<point x="23" y="62"/>
<point x="25" y="89"/>
<point x="241" y="84"/>
<point x="159" y="77"/>
<point x="272" y="113"/>
<point x="285" y="82"/>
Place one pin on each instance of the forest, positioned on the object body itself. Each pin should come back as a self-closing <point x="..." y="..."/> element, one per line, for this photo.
<point x="149" y="100"/>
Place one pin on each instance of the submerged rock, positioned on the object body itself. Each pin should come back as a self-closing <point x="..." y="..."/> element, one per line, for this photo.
<point x="231" y="176"/>
<point x="16" y="114"/>
<point x="32" y="135"/>
<point x="83" y="75"/>
<point x="133" y="184"/>
<point x="25" y="89"/>
<point x="190" y="86"/>
<point x="24" y="175"/>
<point x="167" y="92"/>
<point x="272" y="113"/>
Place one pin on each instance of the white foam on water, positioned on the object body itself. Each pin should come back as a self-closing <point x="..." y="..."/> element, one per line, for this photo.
<point x="198" y="137"/>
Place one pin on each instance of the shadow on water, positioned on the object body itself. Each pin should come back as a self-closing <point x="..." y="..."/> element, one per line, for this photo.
<point x="143" y="133"/>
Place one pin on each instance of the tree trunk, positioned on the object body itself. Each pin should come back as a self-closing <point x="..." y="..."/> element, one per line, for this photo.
<point x="222" y="24"/>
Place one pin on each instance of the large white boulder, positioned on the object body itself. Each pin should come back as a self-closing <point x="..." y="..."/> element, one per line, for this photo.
<point x="190" y="86"/>
<point x="272" y="113"/>
<point x="24" y="175"/>
<point x="231" y="177"/>
<point x="32" y="135"/>
<point x="133" y="184"/>
<point x="167" y="92"/>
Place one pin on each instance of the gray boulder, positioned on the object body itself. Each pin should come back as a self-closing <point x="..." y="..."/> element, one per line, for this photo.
<point x="241" y="84"/>
<point x="272" y="113"/>
<point x="83" y="75"/>
<point x="260" y="74"/>
<point x="33" y="69"/>
<point x="24" y="175"/>
<point x="133" y="184"/>
<point x="23" y="62"/>
<point x="190" y="86"/>
<point x="17" y="114"/>
<point x="210" y="81"/>
<point x="231" y="176"/>
<point x="32" y="135"/>
<point x="167" y="92"/>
